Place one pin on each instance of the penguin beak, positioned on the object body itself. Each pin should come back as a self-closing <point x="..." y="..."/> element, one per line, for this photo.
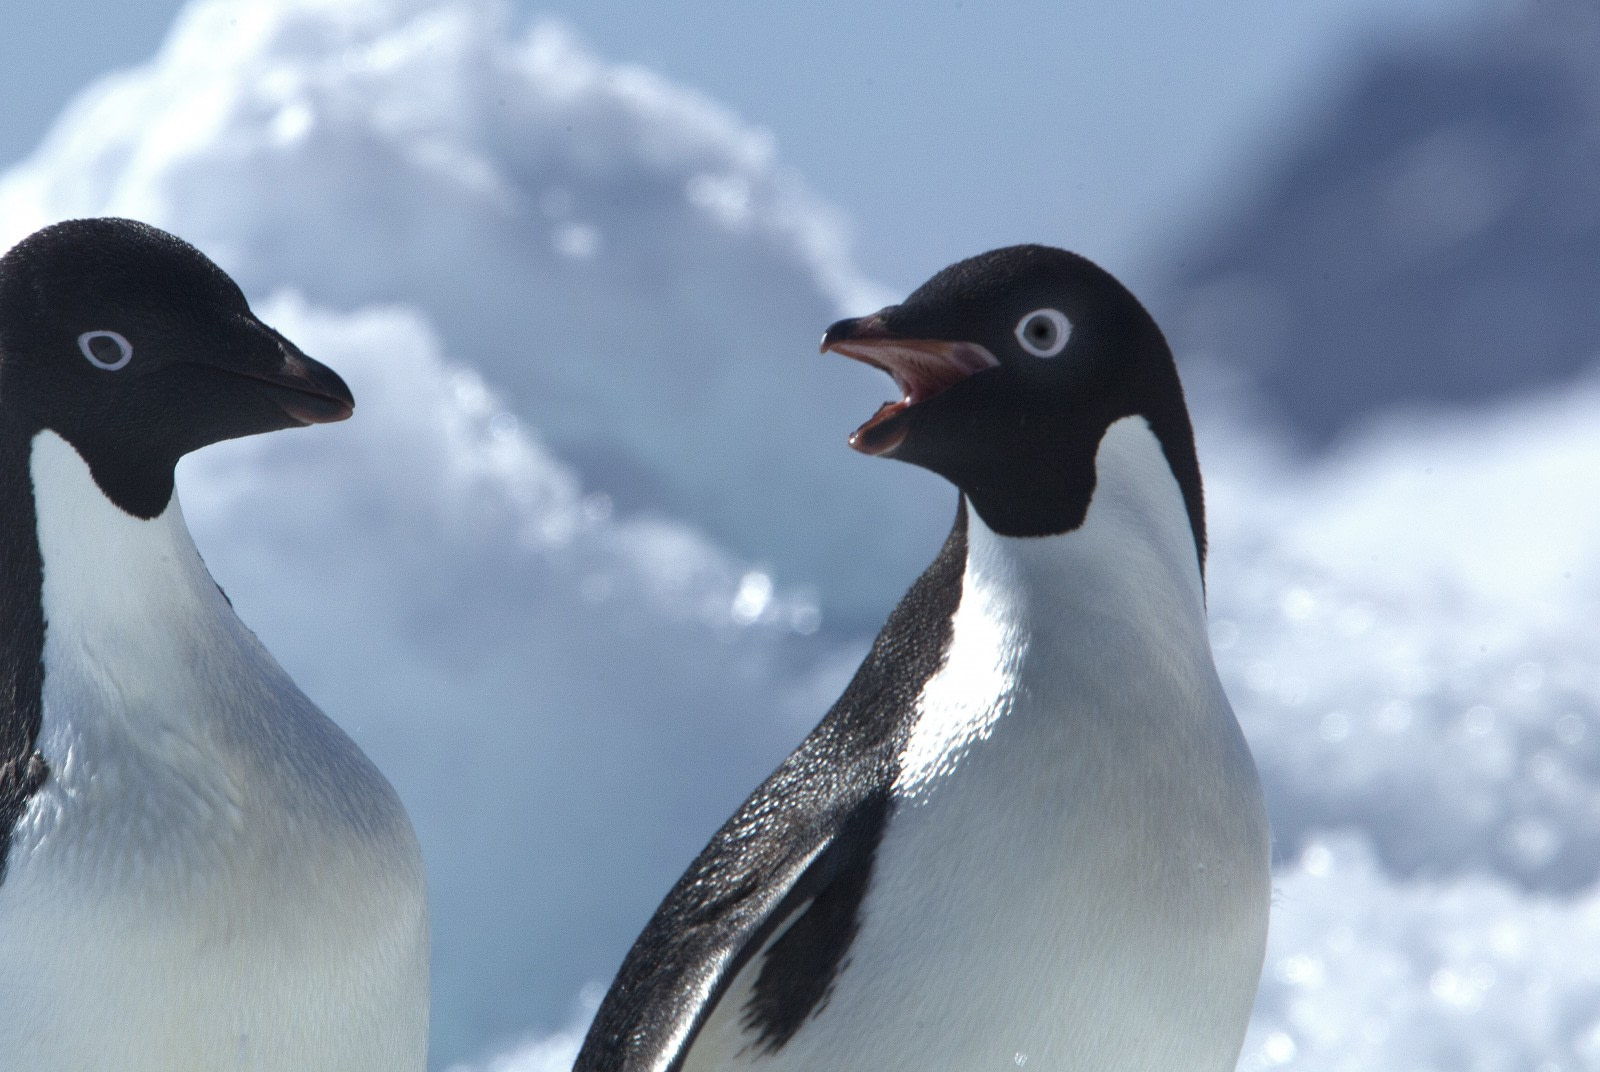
<point x="921" y="368"/>
<point x="307" y="391"/>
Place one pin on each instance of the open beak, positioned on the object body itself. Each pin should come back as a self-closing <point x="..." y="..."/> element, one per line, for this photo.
<point x="921" y="368"/>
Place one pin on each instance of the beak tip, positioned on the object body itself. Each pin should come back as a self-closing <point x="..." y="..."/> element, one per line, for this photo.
<point x="837" y="332"/>
<point x="307" y="391"/>
<point x="857" y="327"/>
<point x="317" y="409"/>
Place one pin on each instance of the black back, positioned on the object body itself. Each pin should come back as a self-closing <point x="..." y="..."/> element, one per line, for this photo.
<point x="22" y="770"/>
<point x="804" y="842"/>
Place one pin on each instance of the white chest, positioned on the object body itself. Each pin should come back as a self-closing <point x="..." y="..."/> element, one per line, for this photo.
<point x="213" y="876"/>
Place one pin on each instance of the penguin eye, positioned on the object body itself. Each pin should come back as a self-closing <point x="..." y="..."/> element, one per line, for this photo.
<point x="106" y="349"/>
<point x="1044" y="332"/>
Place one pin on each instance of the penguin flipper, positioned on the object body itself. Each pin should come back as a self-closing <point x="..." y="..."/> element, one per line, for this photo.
<point x="759" y="919"/>
<point x="793" y="864"/>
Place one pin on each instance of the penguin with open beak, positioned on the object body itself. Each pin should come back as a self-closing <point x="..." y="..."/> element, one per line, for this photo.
<point x="1029" y="833"/>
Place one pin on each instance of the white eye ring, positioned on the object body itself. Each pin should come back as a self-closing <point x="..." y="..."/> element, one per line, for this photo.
<point x="86" y="343"/>
<point x="1044" y="332"/>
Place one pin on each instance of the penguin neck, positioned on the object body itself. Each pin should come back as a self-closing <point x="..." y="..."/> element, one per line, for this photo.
<point x="1132" y="559"/>
<point x="125" y="597"/>
<point x="100" y="562"/>
<point x="1123" y="588"/>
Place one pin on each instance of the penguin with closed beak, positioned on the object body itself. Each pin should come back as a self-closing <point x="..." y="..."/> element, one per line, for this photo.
<point x="1029" y="834"/>
<point x="198" y="870"/>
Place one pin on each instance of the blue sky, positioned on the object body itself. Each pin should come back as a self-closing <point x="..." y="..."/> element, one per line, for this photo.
<point x="939" y="128"/>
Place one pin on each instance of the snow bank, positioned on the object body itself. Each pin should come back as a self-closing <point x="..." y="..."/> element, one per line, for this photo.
<point x="1465" y="975"/>
<point x="1407" y="634"/>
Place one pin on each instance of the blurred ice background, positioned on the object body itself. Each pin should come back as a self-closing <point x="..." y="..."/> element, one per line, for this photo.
<point x="592" y="556"/>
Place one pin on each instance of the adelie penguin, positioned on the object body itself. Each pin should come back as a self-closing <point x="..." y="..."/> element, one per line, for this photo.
<point x="1029" y="834"/>
<point x="201" y="872"/>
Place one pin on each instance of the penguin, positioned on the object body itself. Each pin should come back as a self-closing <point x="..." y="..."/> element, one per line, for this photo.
<point x="1029" y="834"/>
<point x="198" y="870"/>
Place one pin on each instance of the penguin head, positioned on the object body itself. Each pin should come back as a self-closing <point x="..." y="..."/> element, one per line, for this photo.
<point x="1013" y="364"/>
<point x="135" y="348"/>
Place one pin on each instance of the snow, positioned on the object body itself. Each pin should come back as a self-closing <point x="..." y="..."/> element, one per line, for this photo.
<point x="1469" y="974"/>
<point x="592" y="556"/>
<point x="1404" y="632"/>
